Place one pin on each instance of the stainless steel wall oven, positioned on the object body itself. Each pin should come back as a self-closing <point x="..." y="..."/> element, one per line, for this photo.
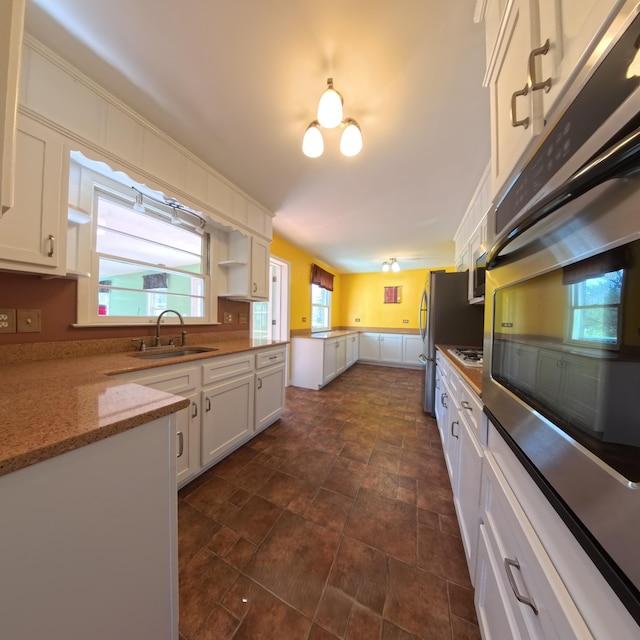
<point x="562" y="304"/>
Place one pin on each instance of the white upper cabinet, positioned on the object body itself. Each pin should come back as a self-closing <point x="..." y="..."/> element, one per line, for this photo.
<point x="33" y="231"/>
<point x="534" y="48"/>
<point x="11" y="27"/>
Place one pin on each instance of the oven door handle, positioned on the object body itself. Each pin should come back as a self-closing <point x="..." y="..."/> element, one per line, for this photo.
<point x="618" y="161"/>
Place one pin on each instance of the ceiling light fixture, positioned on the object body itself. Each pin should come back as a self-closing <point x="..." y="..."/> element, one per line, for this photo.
<point x="391" y="265"/>
<point x="330" y="116"/>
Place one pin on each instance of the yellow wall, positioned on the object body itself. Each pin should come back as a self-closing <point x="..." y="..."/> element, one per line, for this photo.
<point x="300" y="277"/>
<point x="354" y="296"/>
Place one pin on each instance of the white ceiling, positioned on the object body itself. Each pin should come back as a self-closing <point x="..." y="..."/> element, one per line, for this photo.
<point x="238" y="81"/>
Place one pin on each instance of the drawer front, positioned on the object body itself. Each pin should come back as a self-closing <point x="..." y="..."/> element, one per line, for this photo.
<point x="226" y="367"/>
<point x="269" y="358"/>
<point x="471" y="411"/>
<point x="170" y="379"/>
<point x="525" y="568"/>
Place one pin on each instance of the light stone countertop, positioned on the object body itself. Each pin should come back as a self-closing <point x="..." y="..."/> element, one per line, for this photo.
<point x="471" y="375"/>
<point x="48" y="407"/>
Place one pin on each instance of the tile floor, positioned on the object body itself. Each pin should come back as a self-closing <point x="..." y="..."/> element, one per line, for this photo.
<point x="335" y="522"/>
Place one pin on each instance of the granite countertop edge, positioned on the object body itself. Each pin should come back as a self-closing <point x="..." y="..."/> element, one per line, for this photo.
<point x="50" y="407"/>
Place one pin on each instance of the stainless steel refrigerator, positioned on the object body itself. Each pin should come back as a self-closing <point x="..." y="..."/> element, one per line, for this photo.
<point x="446" y="317"/>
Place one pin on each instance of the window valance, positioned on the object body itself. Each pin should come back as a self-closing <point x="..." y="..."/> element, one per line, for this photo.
<point x="321" y="277"/>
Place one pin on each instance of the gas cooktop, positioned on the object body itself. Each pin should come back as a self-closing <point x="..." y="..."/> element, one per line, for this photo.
<point x="468" y="356"/>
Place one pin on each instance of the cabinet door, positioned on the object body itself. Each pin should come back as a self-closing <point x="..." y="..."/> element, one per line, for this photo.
<point x="352" y="349"/>
<point x="341" y="355"/>
<point x="188" y="439"/>
<point x="369" y="347"/>
<point x="508" y="88"/>
<point x="329" y="361"/>
<point x="467" y="497"/>
<point x="259" y="269"/>
<point x="390" y="349"/>
<point x="550" y="374"/>
<point x="269" y="396"/>
<point x="228" y="416"/>
<point x="32" y="237"/>
<point x="11" y="29"/>
<point x="412" y="347"/>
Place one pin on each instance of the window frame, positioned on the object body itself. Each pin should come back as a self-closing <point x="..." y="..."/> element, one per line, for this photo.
<point x="573" y="307"/>
<point x="93" y="186"/>
<point x="321" y="306"/>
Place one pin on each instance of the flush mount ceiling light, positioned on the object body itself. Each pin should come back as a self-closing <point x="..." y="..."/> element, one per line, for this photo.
<point x="391" y="265"/>
<point x="330" y="116"/>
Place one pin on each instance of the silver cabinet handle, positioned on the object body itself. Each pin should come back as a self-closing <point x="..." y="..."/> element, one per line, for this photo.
<point x="259" y="383"/>
<point x="52" y="246"/>
<point x="276" y="357"/>
<point x="442" y="397"/>
<point x="466" y="405"/>
<point x="255" y="287"/>
<point x="535" y="84"/>
<point x="514" y="118"/>
<point x="452" y="433"/>
<point x="508" y="563"/>
<point x="180" y="444"/>
<point x="208" y="405"/>
<point x="194" y="409"/>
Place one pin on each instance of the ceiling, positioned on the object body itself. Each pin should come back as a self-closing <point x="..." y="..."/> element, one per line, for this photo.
<point x="237" y="83"/>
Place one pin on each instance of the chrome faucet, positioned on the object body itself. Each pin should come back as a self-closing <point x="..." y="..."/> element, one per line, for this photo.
<point x="183" y="335"/>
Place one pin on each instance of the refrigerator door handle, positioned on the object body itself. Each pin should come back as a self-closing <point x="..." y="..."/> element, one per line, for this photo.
<point x="422" y="314"/>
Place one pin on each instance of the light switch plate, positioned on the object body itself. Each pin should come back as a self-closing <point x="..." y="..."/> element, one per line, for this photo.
<point x="28" y="320"/>
<point x="7" y="320"/>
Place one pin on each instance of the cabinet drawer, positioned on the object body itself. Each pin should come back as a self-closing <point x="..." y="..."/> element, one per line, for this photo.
<point x="226" y="367"/>
<point x="170" y="379"/>
<point x="471" y="411"/>
<point x="269" y="358"/>
<point x="524" y="565"/>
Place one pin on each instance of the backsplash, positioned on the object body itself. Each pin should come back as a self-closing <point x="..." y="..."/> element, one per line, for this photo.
<point x="56" y="299"/>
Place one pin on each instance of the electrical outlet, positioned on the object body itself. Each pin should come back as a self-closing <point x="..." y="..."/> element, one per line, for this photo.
<point x="7" y="320"/>
<point x="304" y="319"/>
<point x="228" y="317"/>
<point x="405" y="322"/>
<point x="357" y="319"/>
<point x="28" y="320"/>
<point x="243" y="318"/>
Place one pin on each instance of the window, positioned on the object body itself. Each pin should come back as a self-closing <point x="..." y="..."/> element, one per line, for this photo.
<point x="320" y="308"/>
<point x="144" y="259"/>
<point x="595" y="309"/>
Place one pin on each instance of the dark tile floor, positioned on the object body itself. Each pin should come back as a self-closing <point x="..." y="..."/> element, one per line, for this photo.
<point x="335" y="522"/>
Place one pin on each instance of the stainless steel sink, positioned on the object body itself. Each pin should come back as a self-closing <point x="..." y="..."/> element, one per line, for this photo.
<point x="175" y="354"/>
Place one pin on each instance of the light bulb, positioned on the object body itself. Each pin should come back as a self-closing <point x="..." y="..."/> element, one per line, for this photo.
<point x="330" y="107"/>
<point x="351" y="139"/>
<point x="395" y="267"/>
<point x="385" y="266"/>
<point x="313" y="142"/>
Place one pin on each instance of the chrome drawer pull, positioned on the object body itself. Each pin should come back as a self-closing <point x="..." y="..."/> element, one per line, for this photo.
<point x="508" y="563"/>
<point x="442" y="397"/>
<point x="194" y="413"/>
<point x="535" y="84"/>
<point x="52" y="246"/>
<point x="453" y="434"/>
<point x="466" y="405"/>
<point x="180" y="444"/>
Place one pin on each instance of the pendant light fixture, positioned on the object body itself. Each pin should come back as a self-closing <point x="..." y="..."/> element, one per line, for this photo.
<point x="391" y="265"/>
<point x="330" y="116"/>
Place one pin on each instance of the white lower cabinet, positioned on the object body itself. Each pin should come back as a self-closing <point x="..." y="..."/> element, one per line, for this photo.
<point x="352" y="349"/>
<point x="231" y="398"/>
<point x="316" y="361"/>
<point x="412" y="348"/>
<point x="516" y="578"/>
<point x="228" y="417"/>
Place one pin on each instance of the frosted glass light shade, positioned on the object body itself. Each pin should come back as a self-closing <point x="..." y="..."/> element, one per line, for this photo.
<point x="385" y="266"/>
<point x="395" y="267"/>
<point x="351" y="139"/>
<point x="313" y="142"/>
<point x="330" y="107"/>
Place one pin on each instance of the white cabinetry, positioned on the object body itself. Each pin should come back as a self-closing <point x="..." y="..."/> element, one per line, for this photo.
<point x="89" y="532"/>
<point x="244" y="267"/>
<point x="270" y="384"/>
<point x="11" y="28"/>
<point x="519" y="593"/>
<point x="462" y="429"/>
<point x="352" y="349"/>
<point x="532" y="54"/>
<point x="33" y="232"/>
<point x="381" y="348"/>
<point x="412" y="348"/>
<point x="316" y="360"/>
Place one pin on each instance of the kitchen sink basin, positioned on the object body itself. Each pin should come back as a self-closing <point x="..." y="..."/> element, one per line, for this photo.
<point x="175" y="353"/>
